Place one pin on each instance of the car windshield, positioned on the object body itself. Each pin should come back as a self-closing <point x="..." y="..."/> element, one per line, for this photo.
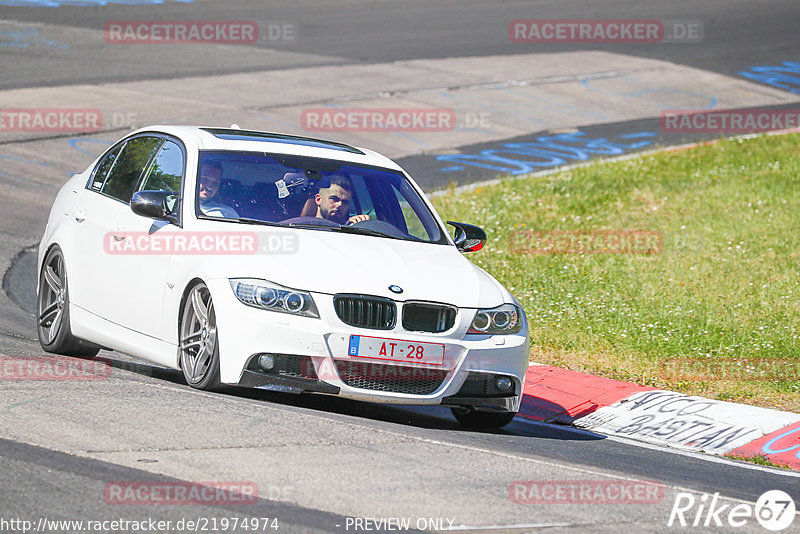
<point x="320" y="194"/>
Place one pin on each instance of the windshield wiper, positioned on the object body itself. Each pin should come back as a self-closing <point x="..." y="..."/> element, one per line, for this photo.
<point x="367" y="231"/>
<point x="245" y="220"/>
<point x="310" y="226"/>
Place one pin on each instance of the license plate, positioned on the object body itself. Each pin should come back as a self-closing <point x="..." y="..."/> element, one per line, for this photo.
<point x="396" y="350"/>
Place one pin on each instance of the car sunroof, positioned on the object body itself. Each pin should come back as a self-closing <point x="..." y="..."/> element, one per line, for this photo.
<point x="247" y="135"/>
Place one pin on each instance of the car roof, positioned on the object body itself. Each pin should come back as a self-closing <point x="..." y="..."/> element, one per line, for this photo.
<point x="237" y="139"/>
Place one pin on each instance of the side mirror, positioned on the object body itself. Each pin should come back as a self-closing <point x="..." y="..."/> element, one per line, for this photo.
<point x="158" y="205"/>
<point x="468" y="238"/>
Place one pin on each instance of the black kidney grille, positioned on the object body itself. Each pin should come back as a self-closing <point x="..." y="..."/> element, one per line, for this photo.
<point x="366" y="312"/>
<point x="433" y="318"/>
<point x="394" y="378"/>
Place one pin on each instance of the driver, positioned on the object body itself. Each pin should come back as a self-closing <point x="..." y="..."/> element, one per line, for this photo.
<point x="333" y="203"/>
<point x="210" y="180"/>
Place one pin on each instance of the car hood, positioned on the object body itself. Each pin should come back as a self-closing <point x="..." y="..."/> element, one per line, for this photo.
<point x="331" y="262"/>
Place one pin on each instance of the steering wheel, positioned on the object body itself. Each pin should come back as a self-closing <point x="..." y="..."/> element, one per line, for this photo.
<point x="382" y="227"/>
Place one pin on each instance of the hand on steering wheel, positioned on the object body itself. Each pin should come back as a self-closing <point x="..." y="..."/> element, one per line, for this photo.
<point x="357" y="219"/>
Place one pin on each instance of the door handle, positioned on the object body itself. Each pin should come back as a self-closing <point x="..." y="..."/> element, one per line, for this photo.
<point x="79" y="215"/>
<point x="118" y="233"/>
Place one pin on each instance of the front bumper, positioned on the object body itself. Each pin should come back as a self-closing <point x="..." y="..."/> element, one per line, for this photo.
<point x="245" y="332"/>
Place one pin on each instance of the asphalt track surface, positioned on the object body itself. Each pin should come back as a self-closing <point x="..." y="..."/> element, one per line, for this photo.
<point x="319" y="460"/>
<point x="737" y="34"/>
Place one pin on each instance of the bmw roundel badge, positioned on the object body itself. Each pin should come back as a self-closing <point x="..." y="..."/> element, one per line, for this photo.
<point x="395" y="289"/>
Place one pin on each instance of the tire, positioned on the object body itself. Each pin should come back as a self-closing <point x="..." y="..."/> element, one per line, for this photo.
<point x="52" y="311"/>
<point x="482" y="420"/>
<point x="199" y="349"/>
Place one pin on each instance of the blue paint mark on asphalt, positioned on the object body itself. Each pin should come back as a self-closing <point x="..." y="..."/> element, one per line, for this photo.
<point x="17" y="177"/>
<point x="291" y="125"/>
<point x="413" y="139"/>
<point x="23" y="160"/>
<point x="60" y="3"/>
<point x="26" y="160"/>
<point x="74" y="144"/>
<point x="545" y="152"/>
<point x="27" y="38"/>
<point x="637" y="135"/>
<point x="785" y="76"/>
<point x="712" y="101"/>
<point x="556" y="104"/>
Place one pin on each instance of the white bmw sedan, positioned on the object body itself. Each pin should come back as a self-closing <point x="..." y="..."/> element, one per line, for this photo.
<point x="278" y="262"/>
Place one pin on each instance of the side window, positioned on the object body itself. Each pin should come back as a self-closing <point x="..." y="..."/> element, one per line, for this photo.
<point x="105" y="165"/>
<point x="413" y="223"/>
<point x="129" y="165"/>
<point x="166" y="172"/>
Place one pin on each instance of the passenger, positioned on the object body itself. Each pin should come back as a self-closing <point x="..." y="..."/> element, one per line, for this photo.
<point x="210" y="180"/>
<point x="333" y="203"/>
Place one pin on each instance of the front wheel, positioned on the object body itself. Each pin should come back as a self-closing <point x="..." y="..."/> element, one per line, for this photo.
<point x="482" y="420"/>
<point x="198" y="340"/>
<point x="52" y="311"/>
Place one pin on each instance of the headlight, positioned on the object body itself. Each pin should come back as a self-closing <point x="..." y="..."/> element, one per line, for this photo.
<point x="268" y="296"/>
<point x="505" y="319"/>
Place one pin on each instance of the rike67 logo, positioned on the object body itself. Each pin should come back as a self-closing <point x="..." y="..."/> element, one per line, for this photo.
<point x="774" y="510"/>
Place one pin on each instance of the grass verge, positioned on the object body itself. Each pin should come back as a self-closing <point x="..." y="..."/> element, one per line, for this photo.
<point x="759" y="459"/>
<point x="715" y="312"/>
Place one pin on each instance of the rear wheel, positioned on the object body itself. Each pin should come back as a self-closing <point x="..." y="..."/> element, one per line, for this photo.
<point x="52" y="315"/>
<point x="198" y="340"/>
<point x="482" y="420"/>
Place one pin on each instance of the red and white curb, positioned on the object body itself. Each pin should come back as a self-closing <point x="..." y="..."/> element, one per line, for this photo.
<point x="660" y="417"/>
